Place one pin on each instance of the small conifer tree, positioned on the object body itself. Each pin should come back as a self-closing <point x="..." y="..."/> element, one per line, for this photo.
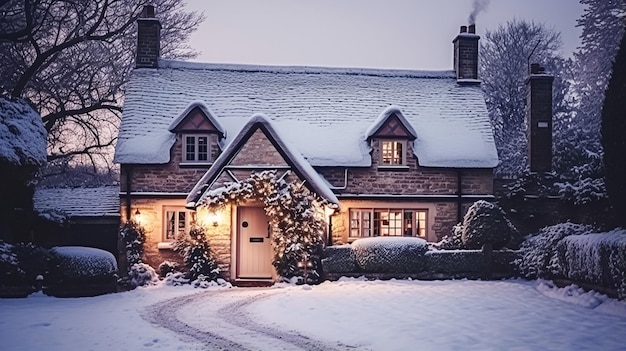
<point x="197" y="255"/>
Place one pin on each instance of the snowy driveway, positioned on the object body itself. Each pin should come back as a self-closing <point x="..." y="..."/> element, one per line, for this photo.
<point x="345" y="315"/>
<point x="219" y="321"/>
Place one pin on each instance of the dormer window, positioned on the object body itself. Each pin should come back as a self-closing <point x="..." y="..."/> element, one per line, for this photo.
<point x="393" y="152"/>
<point x="390" y="135"/>
<point x="199" y="148"/>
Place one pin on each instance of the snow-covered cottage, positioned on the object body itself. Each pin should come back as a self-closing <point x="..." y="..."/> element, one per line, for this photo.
<point x="392" y="152"/>
<point x="22" y="153"/>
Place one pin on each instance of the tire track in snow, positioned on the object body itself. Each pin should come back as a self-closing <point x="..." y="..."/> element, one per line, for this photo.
<point x="238" y="316"/>
<point x="164" y="314"/>
<point x="219" y="320"/>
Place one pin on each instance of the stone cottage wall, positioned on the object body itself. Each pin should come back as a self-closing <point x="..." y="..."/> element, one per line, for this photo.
<point x="167" y="178"/>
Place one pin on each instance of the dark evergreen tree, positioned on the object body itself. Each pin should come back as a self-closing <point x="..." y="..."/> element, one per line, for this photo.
<point x="197" y="254"/>
<point x="613" y="131"/>
<point x="133" y="237"/>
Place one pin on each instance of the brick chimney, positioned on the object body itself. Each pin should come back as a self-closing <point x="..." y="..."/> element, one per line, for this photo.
<point x="539" y="119"/>
<point x="466" y="55"/>
<point x="148" y="39"/>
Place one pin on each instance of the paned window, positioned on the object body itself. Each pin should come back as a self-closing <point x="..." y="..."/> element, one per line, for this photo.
<point x="177" y="222"/>
<point x="388" y="222"/>
<point x="393" y="153"/>
<point x="200" y="148"/>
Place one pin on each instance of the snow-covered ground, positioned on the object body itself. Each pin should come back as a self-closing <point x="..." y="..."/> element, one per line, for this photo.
<point x="350" y="314"/>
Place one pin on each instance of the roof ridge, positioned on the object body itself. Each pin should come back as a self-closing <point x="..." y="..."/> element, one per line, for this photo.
<point x="381" y="72"/>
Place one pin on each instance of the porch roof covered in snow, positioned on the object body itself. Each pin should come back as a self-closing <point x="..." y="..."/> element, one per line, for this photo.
<point x="298" y="164"/>
<point x="324" y="113"/>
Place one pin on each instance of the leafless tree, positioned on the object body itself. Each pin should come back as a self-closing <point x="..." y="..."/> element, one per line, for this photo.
<point x="72" y="58"/>
<point x="505" y="55"/>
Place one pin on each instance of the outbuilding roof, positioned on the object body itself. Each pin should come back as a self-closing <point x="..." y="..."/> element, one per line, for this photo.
<point x="101" y="201"/>
<point x="324" y="112"/>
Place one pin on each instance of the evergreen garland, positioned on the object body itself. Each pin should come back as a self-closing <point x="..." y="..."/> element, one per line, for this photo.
<point x="297" y="229"/>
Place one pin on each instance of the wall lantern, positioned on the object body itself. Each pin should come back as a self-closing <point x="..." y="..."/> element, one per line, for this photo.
<point x="214" y="219"/>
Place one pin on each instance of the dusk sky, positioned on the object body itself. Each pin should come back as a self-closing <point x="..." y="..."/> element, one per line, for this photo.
<point x="401" y="34"/>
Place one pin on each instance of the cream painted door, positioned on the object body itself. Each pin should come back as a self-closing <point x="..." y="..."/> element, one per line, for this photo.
<point x="255" y="246"/>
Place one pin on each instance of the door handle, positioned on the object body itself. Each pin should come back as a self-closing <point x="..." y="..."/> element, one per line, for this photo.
<point x="268" y="230"/>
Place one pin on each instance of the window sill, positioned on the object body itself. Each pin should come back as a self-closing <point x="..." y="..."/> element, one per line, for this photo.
<point x="394" y="168"/>
<point x="195" y="164"/>
<point x="166" y="245"/>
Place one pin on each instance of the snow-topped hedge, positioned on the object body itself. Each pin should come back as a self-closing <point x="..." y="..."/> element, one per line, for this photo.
<point x="81" y="271"/>
<point x="598" y="258"/>
<point x="457" y="263"/>
<point x="390" y="254"/>
<point x="454" y="261"/>
<point x="538" y="256"/>
<point x="339" y="259"/>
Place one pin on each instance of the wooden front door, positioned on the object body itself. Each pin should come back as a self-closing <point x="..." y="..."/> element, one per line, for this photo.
<point x="254" y="242"/>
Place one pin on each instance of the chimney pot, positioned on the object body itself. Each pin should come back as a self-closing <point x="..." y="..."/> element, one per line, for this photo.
<point x="148" y="39"/>
<point x="472" y="29"/>
<point x="536" y="68"/>
<point x="148" y="11"/>
<point x="465" y="60"/>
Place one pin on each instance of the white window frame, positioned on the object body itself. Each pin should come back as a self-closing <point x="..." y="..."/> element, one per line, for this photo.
<point x="211" y="148"/>
<point x="367" y="222"/>
<point x="178" y="230"/>
<point x="384" y="152"/>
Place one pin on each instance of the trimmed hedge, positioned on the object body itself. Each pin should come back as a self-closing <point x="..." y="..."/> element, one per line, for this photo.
<point x="454" y="261"/>
<point x="339" y="259"/>
<point x="383" y="258"/>
<point x="81" y="271"/>
<point x="598" y="258"/>
<point x="389" y="254"/>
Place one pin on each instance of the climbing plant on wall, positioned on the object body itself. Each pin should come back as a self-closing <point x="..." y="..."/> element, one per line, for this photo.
<point x="297" y="227"/>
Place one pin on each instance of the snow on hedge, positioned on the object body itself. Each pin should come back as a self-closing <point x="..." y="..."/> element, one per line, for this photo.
<point x="339" y="259"/>
<point x="390" y="254"/>
<point x="598" y="258"/>
<point x="22" y="134"/>
<point x="76" y="262"/>
<point x="538" y="253"/>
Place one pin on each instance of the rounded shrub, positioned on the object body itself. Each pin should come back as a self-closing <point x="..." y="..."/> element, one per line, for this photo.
<point x="390" y="254"/>
<point x="81" y="271"/>
<point x="486" y="223"/>
<point x="167" y="267"/>
<point x="141" y="274"/>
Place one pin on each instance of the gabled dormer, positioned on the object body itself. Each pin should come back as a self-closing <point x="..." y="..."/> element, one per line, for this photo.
<point x="200" y="135"/>
<point x="390" y="135"/>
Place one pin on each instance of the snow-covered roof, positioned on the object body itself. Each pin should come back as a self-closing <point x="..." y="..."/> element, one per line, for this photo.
<point x="101" y="201"/>
<point x="301" y="167"/>
<point x="375" y="126"/>
<point x="323" y="112"/>
<point x="207" y="112"/>
<point x="22" y="134"/>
